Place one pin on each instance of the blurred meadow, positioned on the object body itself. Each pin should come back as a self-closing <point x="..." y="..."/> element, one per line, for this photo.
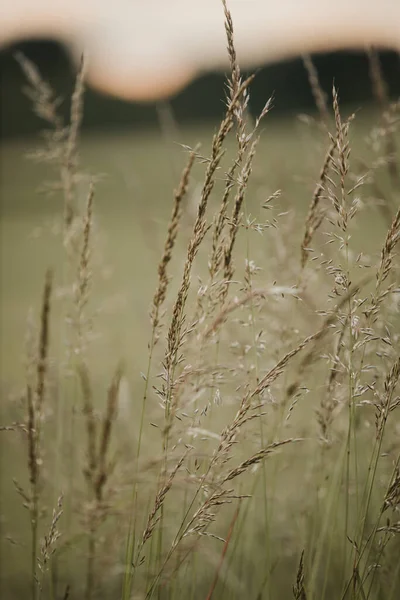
<point x="137" y="174"/>
<point x="238" y="436"/>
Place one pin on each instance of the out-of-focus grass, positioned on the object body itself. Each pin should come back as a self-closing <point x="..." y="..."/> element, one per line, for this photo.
<point x="133" y="202"/>
<point x="132" y="207"/>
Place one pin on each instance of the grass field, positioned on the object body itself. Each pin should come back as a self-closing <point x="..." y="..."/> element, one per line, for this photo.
<point x="271" y="378"/>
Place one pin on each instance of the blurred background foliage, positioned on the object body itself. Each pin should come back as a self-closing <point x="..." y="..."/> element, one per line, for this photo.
<point x="201" y="100"/>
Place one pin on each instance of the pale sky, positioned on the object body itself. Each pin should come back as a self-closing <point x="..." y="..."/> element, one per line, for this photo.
<point x="147" y="49"/>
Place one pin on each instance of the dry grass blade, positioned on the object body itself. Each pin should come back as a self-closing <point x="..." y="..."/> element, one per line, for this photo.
<point x="392" y="497"/>
<point x="203" y="517"/>
<point x="239" y="302"/>
<point x="14" y="427"/>
<point x="324" y="413"/>
<point x="153" y="519"/>
<point x="236" y="214"/>
<point x="84" y="276"/>
<point x="314" y="216"/>
<point x="70" y="160"/>
<point x="385" y="403"/>
<point x="317" y="91"/>
<point x="235" y="69"/>
<point x="76" y="115"/>
<point x="340" y="166"/>
<point x="379" y="86"/>
<point x="219" y="223"/>
<point x="381" y="94"/>
<point x="173" y="226"/>
<point x="31" y="429"/>
<point x="243" y="140"/>
<point x="84" y="261"/>
<point x="108" y="419"/>
<point x="50" y="540"/>
<point x="223" y="554"/>
<point x="218" y="252"/>
<point x="328" y="400"/>
<point x="385" y="266"/>
<point x="90" y="419"/>
<point x="278" y="369"/>
<point x="43" y="342"/>
<point x="256" y="459"/>
<point x="392" y="237"/>
<point x="97" y="472"/>
<point x="61" y="142"/>
<point x="67" y="592"/>
<point x="199" y="230"/>
<point x="309" y="358"/>
<point x="44" y="102"/>
<point x="299" y="591"/>
<point x="35" y="402"/>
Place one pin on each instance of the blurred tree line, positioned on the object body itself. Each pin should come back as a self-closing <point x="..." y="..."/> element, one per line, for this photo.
<point x="287" y="81"/>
